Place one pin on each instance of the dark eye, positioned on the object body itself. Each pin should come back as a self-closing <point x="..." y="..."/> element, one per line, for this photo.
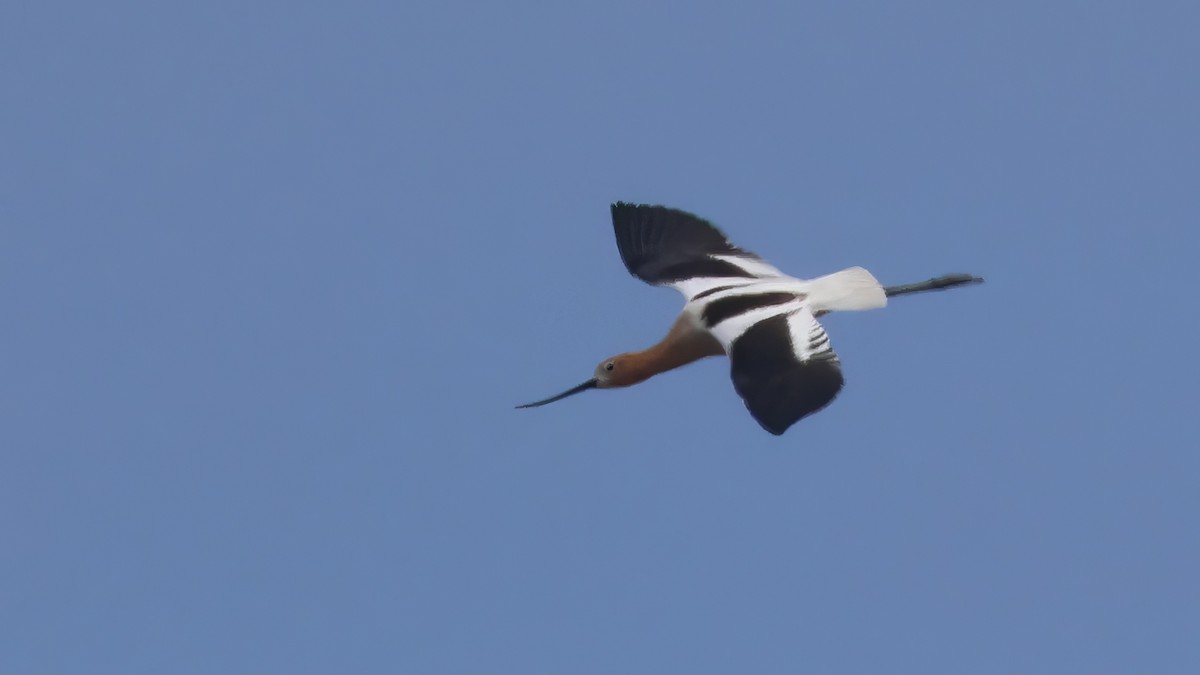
<point x="609" y="365"/>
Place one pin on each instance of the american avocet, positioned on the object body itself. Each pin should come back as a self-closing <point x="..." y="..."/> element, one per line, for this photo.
<point x="737" y="304"/>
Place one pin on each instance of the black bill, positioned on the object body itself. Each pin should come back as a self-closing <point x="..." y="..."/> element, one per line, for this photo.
<point x="590" y="384"/>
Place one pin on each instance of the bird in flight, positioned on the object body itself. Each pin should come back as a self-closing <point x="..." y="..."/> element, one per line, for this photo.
<point x="739" y="305"/>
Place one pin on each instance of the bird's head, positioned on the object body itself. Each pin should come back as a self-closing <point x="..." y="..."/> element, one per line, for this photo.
<point x="615" y="371"/>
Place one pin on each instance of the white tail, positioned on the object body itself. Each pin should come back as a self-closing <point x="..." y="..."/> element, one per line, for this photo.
<point x="853" y="288"/>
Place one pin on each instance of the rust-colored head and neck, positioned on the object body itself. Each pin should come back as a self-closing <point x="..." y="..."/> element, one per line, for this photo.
<point x="683" y="344"/>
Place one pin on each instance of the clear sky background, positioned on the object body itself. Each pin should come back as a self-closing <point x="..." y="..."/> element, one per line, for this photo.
<point x="273" y="276"/>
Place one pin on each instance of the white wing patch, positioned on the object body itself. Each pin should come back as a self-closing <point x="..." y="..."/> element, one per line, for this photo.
<point x="760" y="270"/>
<point x="756" y="266"/>
<point x="690" y="288"/>
<point x="728" y="331"/>
<point x="808" y="336"/>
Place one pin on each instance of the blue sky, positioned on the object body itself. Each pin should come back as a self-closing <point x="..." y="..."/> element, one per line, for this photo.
<point x="274" y="274"/>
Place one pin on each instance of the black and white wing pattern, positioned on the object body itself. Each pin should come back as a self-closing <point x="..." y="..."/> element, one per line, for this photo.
<point x="669" y="247"/>
<point x="784" y="369"/>
<point x="780" y="359"/>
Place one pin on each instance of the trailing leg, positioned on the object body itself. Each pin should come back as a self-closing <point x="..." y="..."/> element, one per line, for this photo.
<point x="936" y="284"/>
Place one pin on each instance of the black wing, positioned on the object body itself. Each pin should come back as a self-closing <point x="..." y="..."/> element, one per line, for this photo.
<point x="664" y="246"/>
<point x="784" y="369"/>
